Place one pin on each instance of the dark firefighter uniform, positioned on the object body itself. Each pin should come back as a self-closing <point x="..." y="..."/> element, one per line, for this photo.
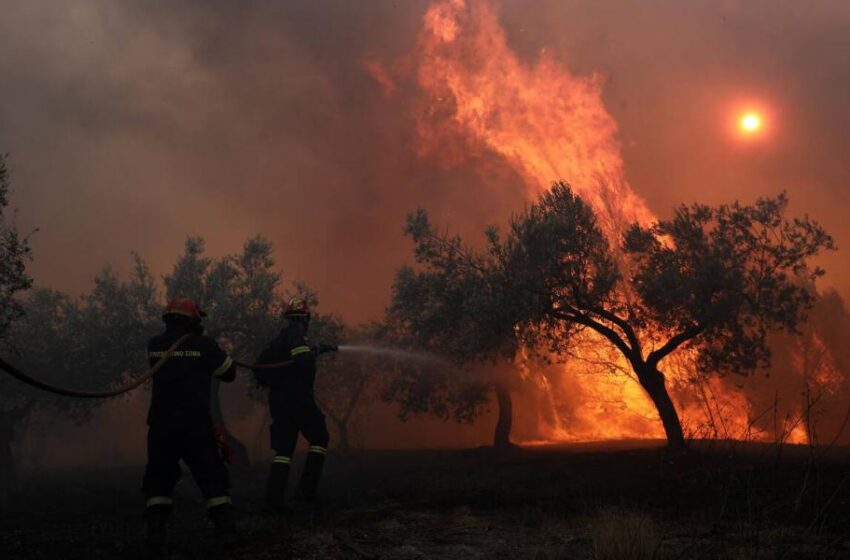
<point x="180" y="425"/>
<point x="293" y="406"/>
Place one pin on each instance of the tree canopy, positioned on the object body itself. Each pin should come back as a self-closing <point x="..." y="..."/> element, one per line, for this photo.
<point x="91" y="342"/>
<point x="14" y="254"/>
<point x="455" y="304"/>
<point x="712" y="281"/>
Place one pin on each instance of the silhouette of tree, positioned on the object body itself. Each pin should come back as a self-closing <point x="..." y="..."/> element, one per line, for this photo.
<point x="453" y="306"/>
<point x="91" y="342"/>
<point x="712" y="281"/>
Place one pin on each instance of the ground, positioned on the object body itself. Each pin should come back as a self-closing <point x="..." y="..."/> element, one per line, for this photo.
<point x="625" y="501"/>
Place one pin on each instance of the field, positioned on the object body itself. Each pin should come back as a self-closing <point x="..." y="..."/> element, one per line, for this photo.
<point x="613" y="501"/>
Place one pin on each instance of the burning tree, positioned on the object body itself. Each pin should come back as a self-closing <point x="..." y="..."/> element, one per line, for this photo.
<point x="808" y="391"/>
<point x="710" y="281"/>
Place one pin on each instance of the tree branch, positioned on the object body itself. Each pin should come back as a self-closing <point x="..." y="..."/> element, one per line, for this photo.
<point x="448" y="246"/>
<point x="577" y="317"/>
<point x="657" y="355"/>
<point x="624" y="326"/>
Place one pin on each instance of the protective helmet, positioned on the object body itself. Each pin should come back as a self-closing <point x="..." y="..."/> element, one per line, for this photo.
<point x="183" y="306"/>
<point x="296" y="307"/>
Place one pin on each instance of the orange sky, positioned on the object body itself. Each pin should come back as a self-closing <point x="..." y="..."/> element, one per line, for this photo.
<point x="130" y="128"/>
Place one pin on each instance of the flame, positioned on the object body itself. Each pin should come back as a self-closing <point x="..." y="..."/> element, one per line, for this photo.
<point x="551" y="124"/>
<point x="378" y="73"/>
<point x="543" y="120"/>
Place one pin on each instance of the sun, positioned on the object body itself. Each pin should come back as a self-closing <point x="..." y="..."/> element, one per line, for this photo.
<point x="750" y="123"/>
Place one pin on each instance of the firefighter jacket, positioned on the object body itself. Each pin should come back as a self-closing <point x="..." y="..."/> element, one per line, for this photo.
<point x="296" y="380"/>
<point x="181" y="389"/>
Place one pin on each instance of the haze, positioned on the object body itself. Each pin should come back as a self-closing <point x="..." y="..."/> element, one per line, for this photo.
<point x="132" y="125"/>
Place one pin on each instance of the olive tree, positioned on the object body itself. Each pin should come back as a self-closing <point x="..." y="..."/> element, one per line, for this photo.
<point x="92" y="342"/>
<point x="452" y="304"/>
<point x="711" y="281"/>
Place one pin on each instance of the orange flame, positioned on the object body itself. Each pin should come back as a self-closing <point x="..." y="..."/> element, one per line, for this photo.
<point x="550" y="124"/>
<point x="544" y="121"/>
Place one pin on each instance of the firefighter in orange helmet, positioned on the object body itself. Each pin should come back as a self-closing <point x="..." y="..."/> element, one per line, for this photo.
<point x="180" y="425"/>
<point x="293" y="406"/>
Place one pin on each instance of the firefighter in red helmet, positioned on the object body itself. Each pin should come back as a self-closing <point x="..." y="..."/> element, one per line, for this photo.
<point x="180" y="425"/>
<point x="293" y="406"/>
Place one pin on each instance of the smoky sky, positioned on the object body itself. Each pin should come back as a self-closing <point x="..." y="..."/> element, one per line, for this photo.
<point x="131" y="125"/>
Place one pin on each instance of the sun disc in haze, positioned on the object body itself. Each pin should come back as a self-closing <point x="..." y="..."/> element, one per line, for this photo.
<point x="750" y="123"/>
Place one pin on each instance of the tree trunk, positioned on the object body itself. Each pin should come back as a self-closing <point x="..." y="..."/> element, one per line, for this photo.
<point x="652" y="381"/>
<point x="502" y="436"/>
<point x="240" y="452"/>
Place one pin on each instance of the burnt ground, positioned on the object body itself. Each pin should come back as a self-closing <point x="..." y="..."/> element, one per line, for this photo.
<point x="574" y="502"/>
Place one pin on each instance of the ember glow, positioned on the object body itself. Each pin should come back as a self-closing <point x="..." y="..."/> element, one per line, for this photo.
<point x="549" y="124"/>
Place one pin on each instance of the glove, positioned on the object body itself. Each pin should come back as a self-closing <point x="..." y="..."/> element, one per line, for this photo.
<point x="224" y="449"/>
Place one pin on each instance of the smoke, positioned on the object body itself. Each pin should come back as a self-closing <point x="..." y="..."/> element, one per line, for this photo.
<point x="131" y="125"/>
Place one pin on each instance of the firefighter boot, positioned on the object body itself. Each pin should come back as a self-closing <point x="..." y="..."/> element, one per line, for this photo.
<point x="224" y="518"/>
<point x="276" y="485"/>
<point x="156" y="517"/>
<point x="312" y="475"/>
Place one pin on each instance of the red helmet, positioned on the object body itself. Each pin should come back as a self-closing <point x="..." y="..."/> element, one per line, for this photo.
<point x="297" y="307"/>
<point x="183" y="306"/>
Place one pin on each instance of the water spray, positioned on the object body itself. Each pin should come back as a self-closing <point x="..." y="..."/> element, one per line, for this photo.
<point x="394" y="352"/>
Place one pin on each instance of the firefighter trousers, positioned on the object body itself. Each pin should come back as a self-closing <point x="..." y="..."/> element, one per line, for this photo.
<point x="291" y="417"/>
<point x="199" y="450"/>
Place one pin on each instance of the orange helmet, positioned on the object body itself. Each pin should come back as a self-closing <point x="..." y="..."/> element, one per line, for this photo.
<point x="183" y="306"/>
<point x="296" y="307"/>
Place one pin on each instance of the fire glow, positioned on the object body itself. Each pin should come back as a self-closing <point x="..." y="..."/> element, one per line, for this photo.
<point x="549" y="124"/>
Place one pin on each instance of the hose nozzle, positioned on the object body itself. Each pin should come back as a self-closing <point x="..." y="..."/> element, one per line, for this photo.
<point x="323" y="348"/>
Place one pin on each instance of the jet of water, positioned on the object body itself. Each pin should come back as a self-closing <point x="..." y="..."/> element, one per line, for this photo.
<point x="394" y="352"/>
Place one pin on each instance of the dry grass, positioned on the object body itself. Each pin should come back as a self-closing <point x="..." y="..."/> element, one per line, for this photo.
<point x="622" y="535"/>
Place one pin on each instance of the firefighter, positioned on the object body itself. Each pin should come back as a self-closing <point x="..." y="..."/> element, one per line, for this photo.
<point x="180" y="425"/>
<point x="293" y="407"/>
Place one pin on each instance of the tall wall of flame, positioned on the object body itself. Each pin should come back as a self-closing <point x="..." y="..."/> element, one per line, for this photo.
<point x="546" y="122"/>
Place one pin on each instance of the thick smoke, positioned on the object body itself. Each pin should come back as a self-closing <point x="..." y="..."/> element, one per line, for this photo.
<point x="130" y="128"/>
<point x="133" y="124"/>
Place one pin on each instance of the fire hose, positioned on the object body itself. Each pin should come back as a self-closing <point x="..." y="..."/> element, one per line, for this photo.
<point x="44" y="386"/>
